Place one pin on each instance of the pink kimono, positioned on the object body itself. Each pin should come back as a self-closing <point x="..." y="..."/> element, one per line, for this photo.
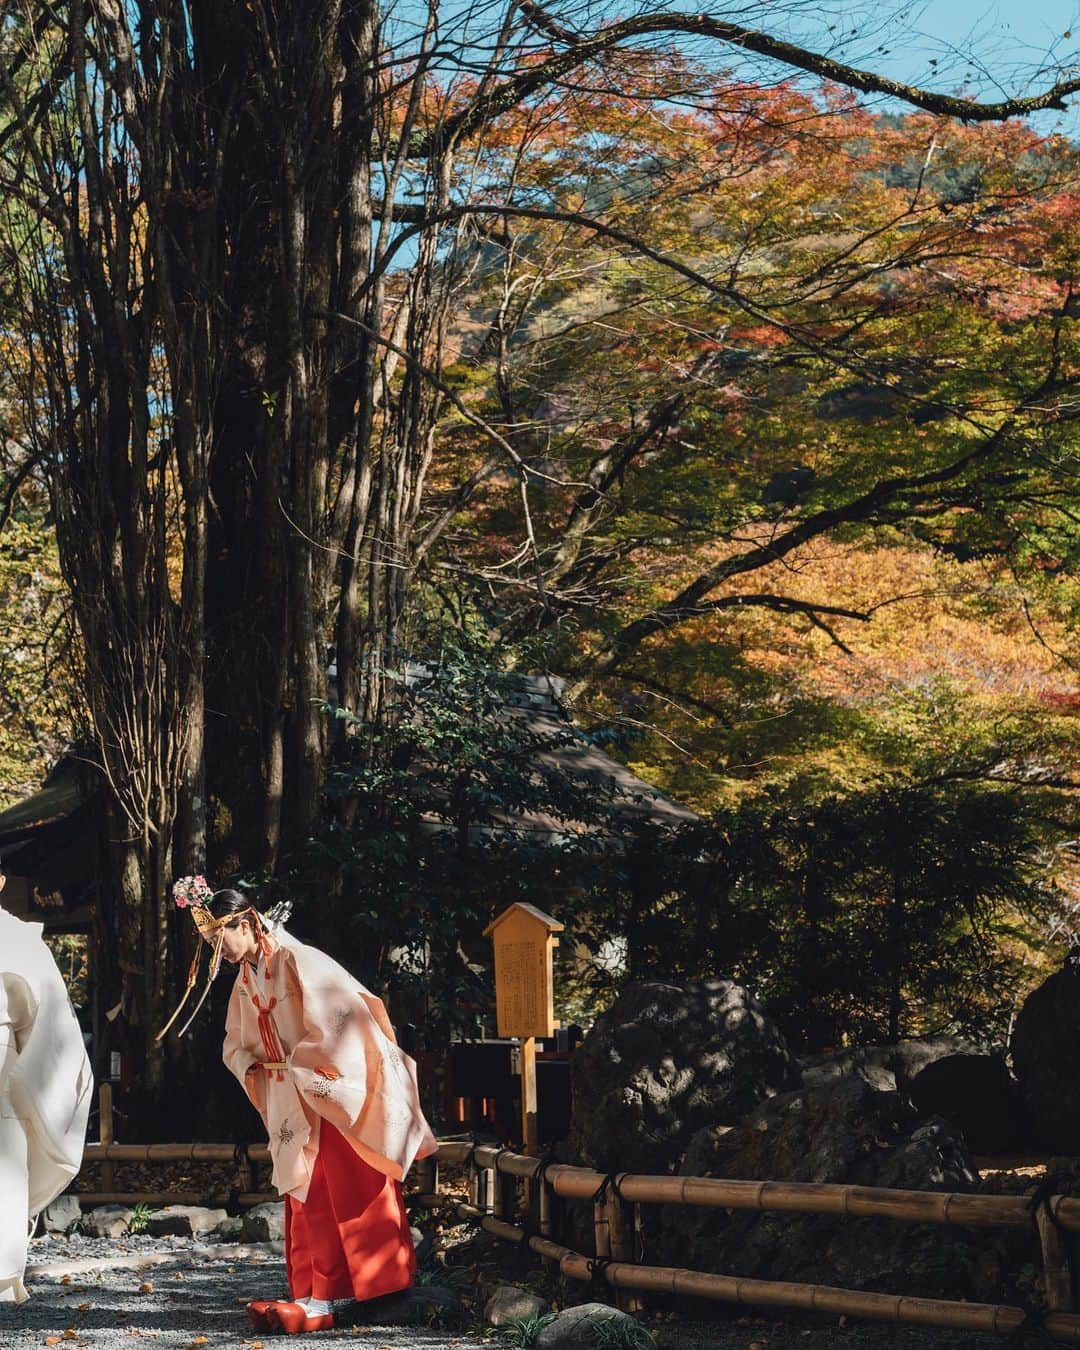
<point x="326" y="1052"/>
<point x="317" y="1055"/>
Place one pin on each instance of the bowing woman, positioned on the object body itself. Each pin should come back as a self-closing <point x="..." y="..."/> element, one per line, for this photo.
<point x="317" y="1056"/>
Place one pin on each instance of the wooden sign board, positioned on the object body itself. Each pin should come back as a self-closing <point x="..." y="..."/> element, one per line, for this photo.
<point x="525" y="941"/>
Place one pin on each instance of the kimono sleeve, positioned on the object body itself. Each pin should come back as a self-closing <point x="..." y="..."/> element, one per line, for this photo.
<point x="238" y="1059"/>
<point x="15" y="1007"/>
<point x="331" y="1064"/>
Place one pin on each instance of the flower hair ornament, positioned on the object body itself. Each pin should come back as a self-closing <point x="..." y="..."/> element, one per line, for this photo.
<point x="194" y="894"/>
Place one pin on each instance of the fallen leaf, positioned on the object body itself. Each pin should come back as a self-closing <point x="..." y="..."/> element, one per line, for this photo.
<point x="85" y="1307"/>
<point x="146" y="1287"/>
<point x="53" y="1340"/>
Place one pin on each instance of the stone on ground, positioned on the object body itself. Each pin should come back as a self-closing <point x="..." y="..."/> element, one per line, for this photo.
<point x="184" y="1221"/>
<point x="265" y="1223"/>
<point x="230" y="1229"/>
<point x="107" y="1221"/>
<point x="576" y="1329"/>
<point x="63" y="1214"/>
<point x="666" y="1060"/>
<point x="509" y="1304"/>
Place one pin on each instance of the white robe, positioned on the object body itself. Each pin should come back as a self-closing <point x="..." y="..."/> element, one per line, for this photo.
<point x="45" y="1091"/>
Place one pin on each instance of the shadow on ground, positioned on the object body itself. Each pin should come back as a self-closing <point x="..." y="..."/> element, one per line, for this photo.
<point x="176" y="1305"/>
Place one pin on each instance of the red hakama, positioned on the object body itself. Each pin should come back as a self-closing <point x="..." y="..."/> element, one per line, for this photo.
<point x="350" y="1238"/>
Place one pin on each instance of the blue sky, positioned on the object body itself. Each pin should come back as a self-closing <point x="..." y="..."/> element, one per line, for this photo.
<point x="1014" y="39"/>
<point x="984" y="48"/>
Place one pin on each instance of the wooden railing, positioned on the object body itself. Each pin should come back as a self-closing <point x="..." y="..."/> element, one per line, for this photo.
<point x="496" y="1176"/>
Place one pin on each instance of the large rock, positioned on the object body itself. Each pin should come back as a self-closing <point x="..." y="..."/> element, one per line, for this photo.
<point x="63" y="1214"/>
<point x="107" y="1221"/>
<point x="842" y="1132"/>
<point x="977" y="1095"/>
<point x="184" y="1221"/>
<point x="1046" y="1060"/>
<point x="885" y="1067"/>
<point x="662" y="1062"/>
<point x="579" y="1329"/>
<point x="265" y="1223"/>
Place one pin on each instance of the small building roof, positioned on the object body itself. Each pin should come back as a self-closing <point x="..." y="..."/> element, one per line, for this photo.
<point x="537" y="701"/>
<point x="522" y="906"/>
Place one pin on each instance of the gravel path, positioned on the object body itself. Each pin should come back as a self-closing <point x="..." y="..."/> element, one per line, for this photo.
<point x="174" y="1292"/>
<point x="186" y="1295"/>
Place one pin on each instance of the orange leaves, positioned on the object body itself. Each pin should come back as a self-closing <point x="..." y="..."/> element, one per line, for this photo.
<point x="760" y="335"/>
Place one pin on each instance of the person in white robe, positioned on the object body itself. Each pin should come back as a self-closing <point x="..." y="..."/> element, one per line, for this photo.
<point x="45" y="1091"/>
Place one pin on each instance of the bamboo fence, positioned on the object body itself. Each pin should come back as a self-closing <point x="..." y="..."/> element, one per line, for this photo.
<point x="501" y="1181"/>
<point x="106" y="1154"/>
<point x="495" y="1175"/>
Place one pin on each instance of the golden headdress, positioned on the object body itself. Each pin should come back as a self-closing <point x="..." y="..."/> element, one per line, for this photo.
<point x="193" y="893"/>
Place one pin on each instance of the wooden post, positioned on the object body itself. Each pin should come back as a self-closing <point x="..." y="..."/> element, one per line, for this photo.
<point x="487" y="1189"/>
<point x="524" y="940"/>
<point x="506" y="1194"/>
<point x="622" y="1239"/>
<point x="530" y="1134"/>
<point x="105" y="1133"/>
<point x="545" y="1208"/>
<point x="247" y="1173"/>
<point x="601" y="1231"/>
<point x="1057" y="1277"/>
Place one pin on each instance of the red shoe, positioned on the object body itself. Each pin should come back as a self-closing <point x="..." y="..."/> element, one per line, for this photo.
<point x="292" y="1318"/>
<point x="257" y="1310"/>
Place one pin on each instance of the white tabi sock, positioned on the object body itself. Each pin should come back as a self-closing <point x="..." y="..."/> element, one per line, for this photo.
<point x="316" y="1307"/>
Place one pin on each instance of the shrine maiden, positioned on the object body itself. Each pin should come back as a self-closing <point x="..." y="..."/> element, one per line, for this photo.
<point x="317" y="1056"/>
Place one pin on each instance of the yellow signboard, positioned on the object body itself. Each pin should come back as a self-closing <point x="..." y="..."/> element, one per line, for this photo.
<point x="525" y="941"/>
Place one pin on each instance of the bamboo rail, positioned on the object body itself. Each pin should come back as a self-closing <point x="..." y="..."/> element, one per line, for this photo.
<point x="797" y="1197"/>
<point x="616" y="1215"/>
<point x="997" y="1319"/>
<point x="258" y="1153"/>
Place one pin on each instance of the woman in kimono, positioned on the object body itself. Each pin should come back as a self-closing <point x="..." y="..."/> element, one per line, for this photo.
<point x="45" y="1091"/>
<point x="317" y="1056"/>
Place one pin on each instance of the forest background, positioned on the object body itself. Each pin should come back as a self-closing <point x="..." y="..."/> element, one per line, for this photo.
<point x="661" y="361"/>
